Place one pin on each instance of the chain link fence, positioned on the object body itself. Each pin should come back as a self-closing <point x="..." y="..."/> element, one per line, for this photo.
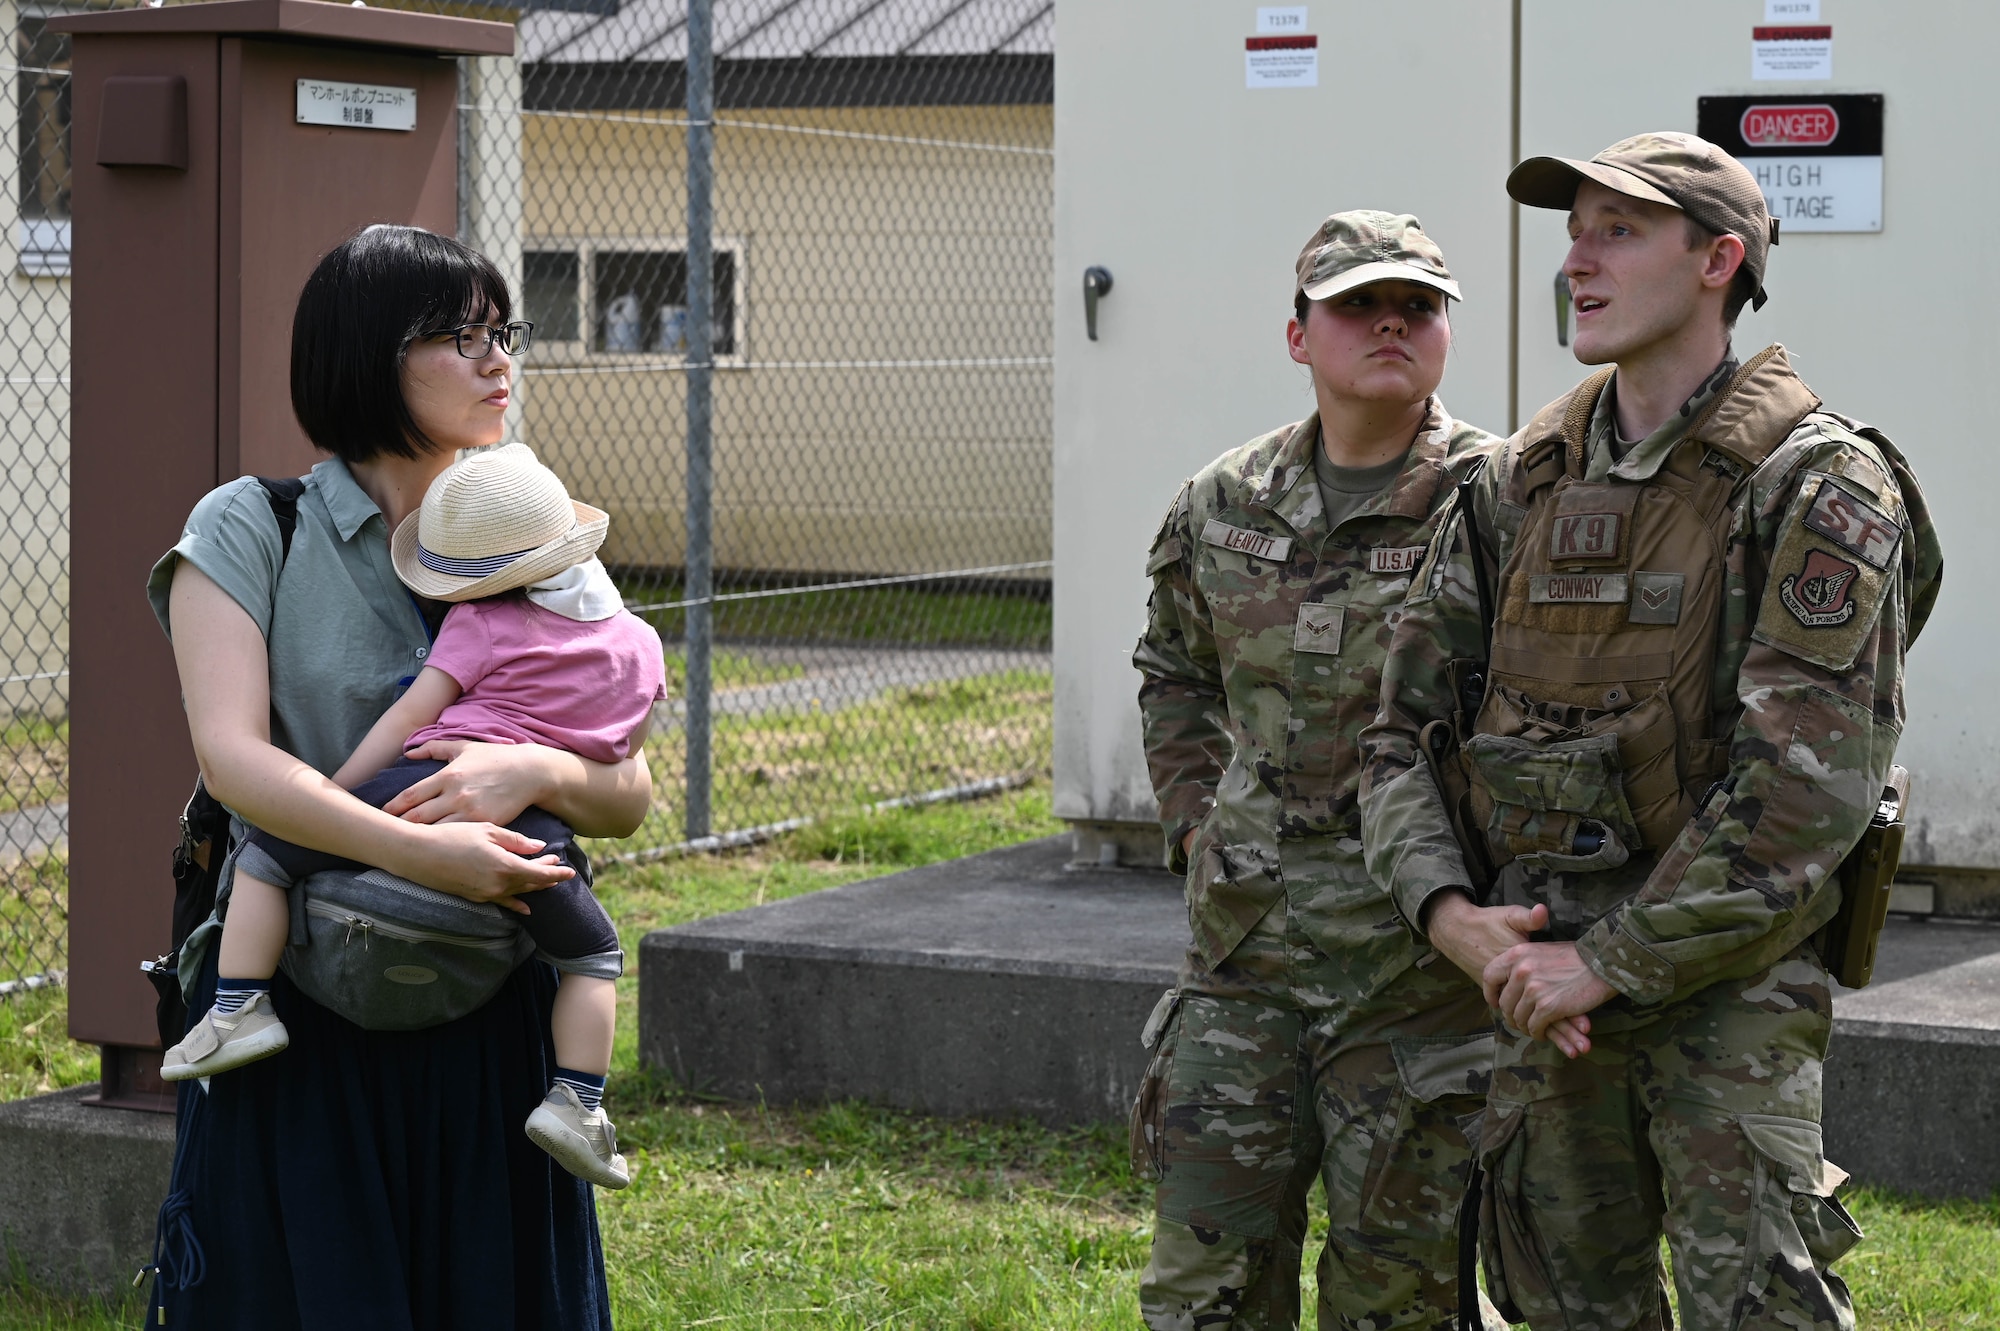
<point x="827" y="465"/>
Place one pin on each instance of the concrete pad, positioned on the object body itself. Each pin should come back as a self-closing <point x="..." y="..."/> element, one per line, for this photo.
<point x="1008" y="983"/>
<point x="1914" y="1065"/>
<point x="999" y="984"/>
<point x="80" y="1187"/>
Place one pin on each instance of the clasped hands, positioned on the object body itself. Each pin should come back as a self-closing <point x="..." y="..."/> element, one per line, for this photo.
<point x="1543" y="990"/>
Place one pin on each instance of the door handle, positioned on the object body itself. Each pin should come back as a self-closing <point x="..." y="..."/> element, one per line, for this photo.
<point x="1562" y="308"/>
<point x="1096" y="283"/>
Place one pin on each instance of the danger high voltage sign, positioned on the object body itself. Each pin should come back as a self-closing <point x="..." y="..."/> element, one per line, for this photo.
<point x="1818" y="158"/>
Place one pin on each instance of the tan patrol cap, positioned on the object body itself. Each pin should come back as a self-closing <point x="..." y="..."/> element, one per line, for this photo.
<point x="1350" y="250"/>
<point x="1679" y="170"/>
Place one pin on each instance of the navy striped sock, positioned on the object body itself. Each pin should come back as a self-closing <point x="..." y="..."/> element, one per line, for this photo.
<point x="589" y="1089"/>
<point x="232" y="995"/>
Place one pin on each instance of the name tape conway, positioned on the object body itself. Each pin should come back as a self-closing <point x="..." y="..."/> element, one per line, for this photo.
<point x="356" y="105"/>
<point x="1281" y="61"/>
<point x="1577" y="589"/>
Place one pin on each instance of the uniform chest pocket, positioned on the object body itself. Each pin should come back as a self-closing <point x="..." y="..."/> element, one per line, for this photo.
<point x="1562" y="802"/>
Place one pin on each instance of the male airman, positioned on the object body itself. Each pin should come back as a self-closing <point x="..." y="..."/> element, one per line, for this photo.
<point x="1664" y="648"/>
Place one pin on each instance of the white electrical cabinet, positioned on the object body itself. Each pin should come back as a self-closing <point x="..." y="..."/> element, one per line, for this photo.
<point x="1194" y="191"/>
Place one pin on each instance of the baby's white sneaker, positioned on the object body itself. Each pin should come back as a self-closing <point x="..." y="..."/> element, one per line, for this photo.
<point x="581" y="1140"/>
<point x="221" y="1041"/>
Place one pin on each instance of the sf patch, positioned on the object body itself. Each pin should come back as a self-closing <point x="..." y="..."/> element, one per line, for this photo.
<point x="1854" y="524"/>
<point x="1836" y="554"/>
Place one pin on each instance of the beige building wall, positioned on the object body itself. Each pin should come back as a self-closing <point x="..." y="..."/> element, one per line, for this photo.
<point x="887" y="405"/>
<point x="34" y="448"/>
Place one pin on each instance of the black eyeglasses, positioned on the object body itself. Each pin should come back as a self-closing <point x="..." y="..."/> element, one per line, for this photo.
<point x="475" y="341"/>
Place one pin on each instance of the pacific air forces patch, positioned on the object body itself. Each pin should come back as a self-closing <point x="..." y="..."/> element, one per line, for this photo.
<point x="1835" y="556"/>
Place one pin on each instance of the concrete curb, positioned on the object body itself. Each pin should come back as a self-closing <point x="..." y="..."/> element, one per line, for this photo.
<point x="79" y="1189"/>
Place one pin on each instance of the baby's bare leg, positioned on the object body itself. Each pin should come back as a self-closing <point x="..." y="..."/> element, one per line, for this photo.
<point x="583" y="1021"/>
<point x="253" y="937"/>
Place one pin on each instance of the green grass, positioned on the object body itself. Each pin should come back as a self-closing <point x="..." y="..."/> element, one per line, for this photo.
<point x="846" y="1216"/>
<point x="34" y="762"/>
<point x="907" y="615"/>
<point x="34" y="915"/>
<point x="729" y="670"/>
<point x="779" y="765"/>
<point x="36" y="1053"/>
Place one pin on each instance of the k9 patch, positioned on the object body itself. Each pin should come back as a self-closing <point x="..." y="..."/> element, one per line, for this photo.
<point x="1584" y="536"/>
<point x="1825" y="588"/>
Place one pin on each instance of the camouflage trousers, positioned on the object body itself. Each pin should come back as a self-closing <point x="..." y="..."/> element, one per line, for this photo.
<point x="1319" y="1047"/>
<point x="1700" y="1121"/>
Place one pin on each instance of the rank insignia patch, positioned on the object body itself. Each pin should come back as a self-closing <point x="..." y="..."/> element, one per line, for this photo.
<point x="1821" y="593"/>
<point x="1318" y="629"/>
<point x="1853" y="524"/>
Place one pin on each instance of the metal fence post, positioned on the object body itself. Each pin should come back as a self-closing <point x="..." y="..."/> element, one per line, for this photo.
<point x="700" y="403"/>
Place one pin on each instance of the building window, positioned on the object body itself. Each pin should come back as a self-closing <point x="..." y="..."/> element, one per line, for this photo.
<point x="549" y="293"/>
<point x="595" y="299"/>
<point x="43" y="103"/>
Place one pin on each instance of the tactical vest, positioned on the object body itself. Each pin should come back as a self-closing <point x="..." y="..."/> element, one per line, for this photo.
<point x="1595" y="741"/>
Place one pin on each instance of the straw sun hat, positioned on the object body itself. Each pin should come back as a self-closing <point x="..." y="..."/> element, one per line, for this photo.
<point x="492" y="522"/>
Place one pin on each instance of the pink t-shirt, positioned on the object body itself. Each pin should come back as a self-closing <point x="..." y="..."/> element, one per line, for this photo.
<point x="532" y="676"/>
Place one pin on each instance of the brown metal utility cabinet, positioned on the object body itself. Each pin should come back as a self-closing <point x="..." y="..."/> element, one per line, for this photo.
<point x="220" y="149"/>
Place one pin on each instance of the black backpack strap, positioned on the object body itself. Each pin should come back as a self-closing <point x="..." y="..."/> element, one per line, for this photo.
<point x="284" y="492"/>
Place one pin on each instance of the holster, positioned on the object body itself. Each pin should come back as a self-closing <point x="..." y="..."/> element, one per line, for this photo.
<point x="1847" y="943"/>
<point x="1443" y="745"/>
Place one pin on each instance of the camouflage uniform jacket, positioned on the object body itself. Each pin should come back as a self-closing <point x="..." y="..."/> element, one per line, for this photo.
<point x="1264" y="640"/>
<point x="1810" y="712"/>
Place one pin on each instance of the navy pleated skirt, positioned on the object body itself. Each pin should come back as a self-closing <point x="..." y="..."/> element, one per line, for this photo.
<point x="379" y="1179"/>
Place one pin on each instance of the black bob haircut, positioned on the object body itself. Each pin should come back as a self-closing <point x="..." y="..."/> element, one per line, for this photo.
<point x="363" y="305"/>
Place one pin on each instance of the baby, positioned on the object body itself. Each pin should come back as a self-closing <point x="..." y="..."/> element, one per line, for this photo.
<point x="538" y="650"/>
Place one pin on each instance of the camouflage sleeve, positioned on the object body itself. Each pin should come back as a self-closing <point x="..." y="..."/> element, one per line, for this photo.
<point x="1822" y="574"/>
<point x="1183" y="713"/>
<point x="1406" y="835"/>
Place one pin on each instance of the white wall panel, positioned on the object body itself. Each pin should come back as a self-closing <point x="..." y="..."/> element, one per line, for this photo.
<point x="1895" y="328"/>
<point x="1197" y="193"/>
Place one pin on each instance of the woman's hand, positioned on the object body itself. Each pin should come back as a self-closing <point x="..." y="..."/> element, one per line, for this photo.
<point x="483" y="783"/>
<point x="493" y="783"/>
<point x="481" y="862"/>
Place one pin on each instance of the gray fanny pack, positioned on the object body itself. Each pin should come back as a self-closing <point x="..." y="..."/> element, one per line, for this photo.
<point x="388" y="954"/>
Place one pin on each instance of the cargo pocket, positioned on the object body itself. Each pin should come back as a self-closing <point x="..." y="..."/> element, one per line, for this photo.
<point x="1561" y="802"/>
<point x="1147" y="1120"/>
<point x="1229" y="889"/>
<point x="1518" y="1272"/>
<point x="1796" y="1226"/>
<point x="1419" y="1140"/>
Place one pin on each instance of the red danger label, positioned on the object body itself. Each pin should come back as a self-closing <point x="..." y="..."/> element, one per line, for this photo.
<point x="1304" y="43"/>
<point x="1817" y="33"/>
<point x="1806" y="125"/>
